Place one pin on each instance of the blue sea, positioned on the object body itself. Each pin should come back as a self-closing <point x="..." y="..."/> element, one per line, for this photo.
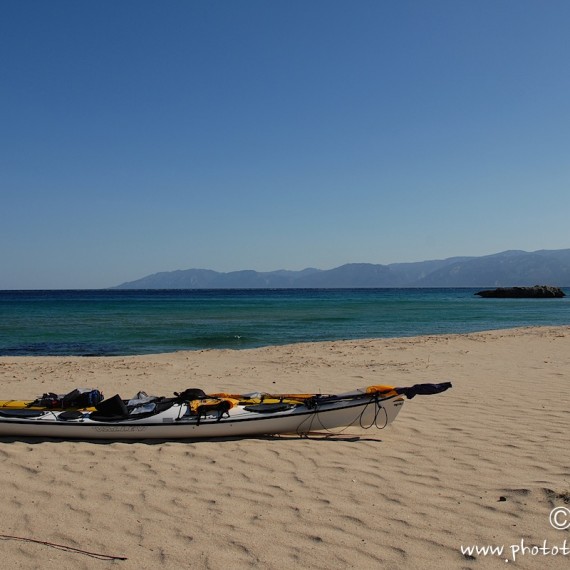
<point x="120" y="322"/>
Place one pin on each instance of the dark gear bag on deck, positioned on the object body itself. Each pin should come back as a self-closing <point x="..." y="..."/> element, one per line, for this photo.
<point x="82" y="398"/>
<point x="190" y="394"/>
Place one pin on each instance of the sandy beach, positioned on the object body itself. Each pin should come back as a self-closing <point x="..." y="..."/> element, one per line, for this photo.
<point x="481" y="465"/>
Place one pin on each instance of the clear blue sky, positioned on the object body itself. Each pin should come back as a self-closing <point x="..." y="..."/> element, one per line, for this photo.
<point x="140" y="136"/>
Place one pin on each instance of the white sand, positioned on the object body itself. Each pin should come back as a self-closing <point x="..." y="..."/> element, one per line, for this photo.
<point x="405" y="497"/>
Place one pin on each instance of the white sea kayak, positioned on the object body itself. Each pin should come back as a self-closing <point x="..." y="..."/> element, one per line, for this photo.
<point x="216" y="416"/>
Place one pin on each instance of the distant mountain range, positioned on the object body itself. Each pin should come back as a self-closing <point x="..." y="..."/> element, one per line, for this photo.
<point x="505" y="269"/>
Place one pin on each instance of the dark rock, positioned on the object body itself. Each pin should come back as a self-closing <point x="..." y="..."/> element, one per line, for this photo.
<point x="536" y="292"/>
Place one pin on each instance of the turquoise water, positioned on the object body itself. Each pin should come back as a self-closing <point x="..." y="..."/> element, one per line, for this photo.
<point x="116" y="322"/>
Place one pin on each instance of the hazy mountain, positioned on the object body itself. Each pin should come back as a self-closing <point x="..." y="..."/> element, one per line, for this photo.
<point x="506" y="269"/>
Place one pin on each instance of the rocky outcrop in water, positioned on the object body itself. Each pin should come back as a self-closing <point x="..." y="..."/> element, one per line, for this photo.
<point x="536" y="292"/>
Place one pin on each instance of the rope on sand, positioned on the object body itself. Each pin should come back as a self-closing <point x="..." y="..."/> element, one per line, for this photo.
<point x="64" y="547"/>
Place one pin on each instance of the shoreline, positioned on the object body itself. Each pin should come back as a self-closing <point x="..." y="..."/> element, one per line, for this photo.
<point x="83" y="325"/>
<point x="514" y="329"/>
<point x="481" y="464"/>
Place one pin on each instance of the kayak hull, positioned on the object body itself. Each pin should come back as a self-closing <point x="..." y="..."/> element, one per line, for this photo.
<point x="177" y="422"/>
